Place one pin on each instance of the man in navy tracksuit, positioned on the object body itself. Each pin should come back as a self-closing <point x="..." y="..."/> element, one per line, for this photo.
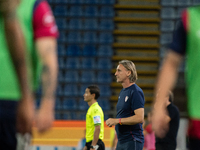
<point x="130" y="109"/>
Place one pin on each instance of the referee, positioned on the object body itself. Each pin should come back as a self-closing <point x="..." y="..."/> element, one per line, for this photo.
<point x="94" y="120"/>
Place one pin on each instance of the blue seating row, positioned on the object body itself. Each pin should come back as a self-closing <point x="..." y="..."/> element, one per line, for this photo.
<point x="87" y="50"/>
<point x="85" y="63"/>
<point x="86" y="24"/>
<point x="73" y="104"/>
<point x="108" y="2"/>
<point x="87" y="37"/>
<point x="171" y="13"/>
<point x="81" y="11"/>
<point x="180" y="3"/>
<point x="74" y="90"/>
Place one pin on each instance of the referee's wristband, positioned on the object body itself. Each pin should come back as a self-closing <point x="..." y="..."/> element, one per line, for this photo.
<point x="120" y="121"/>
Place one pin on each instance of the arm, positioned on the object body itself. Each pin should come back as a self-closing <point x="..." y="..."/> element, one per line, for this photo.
<point x="46" y="48"/>
<point x="166" y="81"/>
<point x="137" y="118"/>
<point x="16" y="45"/>
<point x="96" y="135"/>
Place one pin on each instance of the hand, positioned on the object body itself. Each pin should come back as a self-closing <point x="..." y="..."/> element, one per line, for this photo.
<point x="111" y="122"/>
<point x="85" y="148"/>
<point x="45" y="115"/>
<point x="25" y="115"/>
<point x="159" y="122"/>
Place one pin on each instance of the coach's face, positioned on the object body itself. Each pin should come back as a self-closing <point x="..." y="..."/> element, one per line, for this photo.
<point x="121" y="73"/>
<point x="87" y="95"/>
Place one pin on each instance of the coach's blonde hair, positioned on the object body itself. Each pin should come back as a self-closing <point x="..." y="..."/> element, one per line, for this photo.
<point x="130" y="66"/>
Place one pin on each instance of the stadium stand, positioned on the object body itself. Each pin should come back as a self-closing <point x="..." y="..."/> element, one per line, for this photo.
<point x="95" y="35"/>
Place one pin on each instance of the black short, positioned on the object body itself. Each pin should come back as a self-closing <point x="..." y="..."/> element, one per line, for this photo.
<point x="165" y="146"/>
<point x="100" y="143"/>
<point x="194" y="144"/>
<point x="8" y="111"/>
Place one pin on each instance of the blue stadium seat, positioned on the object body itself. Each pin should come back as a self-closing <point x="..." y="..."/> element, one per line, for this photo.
<point x="166" y="38"/>
<point x="90" y="24"/>
<point x="104" y="77"/>
<point x="58" y="116"/>
<point x="105" y="90"/>
<point x="60" y="76"/>
<point x="104" y="103"/>
<point x="107" y="11"/>
<point x="196" y="2"/>
<point x="73" y="63"/>
<point x="62" y="37"/>
<point x="88" y="63"/>
<point x="106" y="116"/>
<point x="74" y="37"/>
<point x="106" y="38"/>
<point x="111" y="2"/>
<point x="82" y="116"/>
<point x="75" y="24"/>
<point x="70" y="104"/>
<point x="91" y="11"/>
<point x="61" y="1"/>
<point x="82" y="88"/>
<point x="92" y="1"/>
<point x="167" y="25"/>
<point x="59" y="90"/>
<point x="73" y="50"/>
<point x="106" y="24"/>
<point x="89" y="50"/>
<point x="71" y="76"/>
<point x="61" y="63"/>
<point x="58" y="104"/>
<point x="105" y="50"/>
<point x="168" y="13"/>
<point x="88" y="77"/>
<point x="71" y="90"/>
<point x="83" y="105"/>
<point x="60" y="11"/>
<point x="76" y="1"/>
<point x="104" y="63"/>
<point x="75" y="11"/>
<point x="61" y="50"/>
<point x="162" y="51"/>
<point x="90" y="37"/>
<point x="66" y="116"/>
<point x="168" y="2"/>
<point x="61" y="23"/>
<point x="72" y="115"/>
<point x="184" y="2"/>
<point x="50" y="1"/>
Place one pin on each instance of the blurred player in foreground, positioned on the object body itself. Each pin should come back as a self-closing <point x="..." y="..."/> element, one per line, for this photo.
<point x="23" y="60"/>
<point x="185" y="42"/>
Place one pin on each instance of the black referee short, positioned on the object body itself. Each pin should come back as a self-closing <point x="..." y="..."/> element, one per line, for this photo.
<point x="100" y="143"/>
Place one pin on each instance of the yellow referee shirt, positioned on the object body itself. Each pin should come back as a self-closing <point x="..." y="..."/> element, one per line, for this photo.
<point x="94" y="117"/>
